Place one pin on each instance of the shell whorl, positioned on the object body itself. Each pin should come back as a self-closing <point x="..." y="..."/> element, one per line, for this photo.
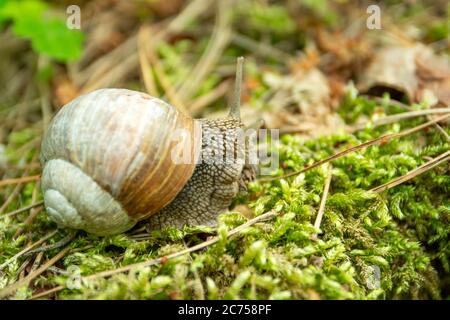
<point x="78" y="202"/>
<point x="122" y="141"/>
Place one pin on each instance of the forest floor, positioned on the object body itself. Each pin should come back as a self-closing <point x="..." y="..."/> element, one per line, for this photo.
<point x="361" y="106"/>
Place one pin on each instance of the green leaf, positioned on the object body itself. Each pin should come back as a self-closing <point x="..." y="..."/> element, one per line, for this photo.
<point x="16" y="10"/>
<point x="51" y="37"/>
<point x="48" y="35"/>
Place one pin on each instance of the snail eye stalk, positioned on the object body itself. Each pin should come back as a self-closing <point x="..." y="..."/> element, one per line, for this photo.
<point x="235" y="111"/>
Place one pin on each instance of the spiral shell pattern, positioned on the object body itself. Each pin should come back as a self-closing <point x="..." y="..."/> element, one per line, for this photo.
<point x="107" y="159"/>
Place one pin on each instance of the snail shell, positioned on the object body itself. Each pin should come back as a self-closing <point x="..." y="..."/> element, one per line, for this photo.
<point x="107" y="160"/>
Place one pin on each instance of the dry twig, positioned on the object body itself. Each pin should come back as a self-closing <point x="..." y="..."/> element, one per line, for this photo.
<point x="379" y="140"/>
<point x="400" y="116"/>
<point x="25" y="281"/>
<point x="413" y="173"/>
<point x="4" y="264"/>
<point x="31" y="206"/>
<point x="220" y="38"/>
<point x="326" y="188"/>
<point x="108" y="273"/>
<point x="20" y="180"/>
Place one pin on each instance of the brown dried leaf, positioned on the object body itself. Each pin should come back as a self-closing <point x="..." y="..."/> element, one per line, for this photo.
<point x="414" y="72"/>
<point x="64" y="90"/>
<point x="434" y="75"/>
<point x="164" y="8"/>
<point x="301" y="103"/>
<point x="393" y="70"/>
<point x="431" y="66"/>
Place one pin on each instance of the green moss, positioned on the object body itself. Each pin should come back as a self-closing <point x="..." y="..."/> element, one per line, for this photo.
<point x="403" y="233"/>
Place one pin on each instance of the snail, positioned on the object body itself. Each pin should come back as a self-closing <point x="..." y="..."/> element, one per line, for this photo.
<point x="107" y="159"/>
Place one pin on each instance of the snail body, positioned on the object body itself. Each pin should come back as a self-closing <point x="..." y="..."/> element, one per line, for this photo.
<point x="108" y="163"/>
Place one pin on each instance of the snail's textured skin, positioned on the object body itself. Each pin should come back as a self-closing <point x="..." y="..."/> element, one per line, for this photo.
<point x="215" y="181"/>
